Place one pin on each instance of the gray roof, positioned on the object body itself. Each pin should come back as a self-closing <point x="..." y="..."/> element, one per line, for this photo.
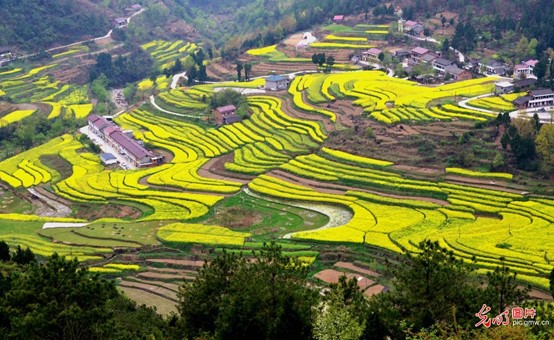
<point x="541" y="92"/>
<point x="107" y="156"/>
<point x="418" y="28"/>
<point x="443" y="62"/>
<point x="275" y="78"/>
<point x="522" y="100"/>
<point x="525" y="82"/>
<point x="428" y="57"/>
<point x="455" y="70"/>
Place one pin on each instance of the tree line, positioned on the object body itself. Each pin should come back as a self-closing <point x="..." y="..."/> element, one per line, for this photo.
<point x="432" y="295"/>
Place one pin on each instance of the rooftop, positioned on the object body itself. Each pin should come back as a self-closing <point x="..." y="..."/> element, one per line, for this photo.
<point x="541" y="92"/>
<point x="107" y="156"/>
<point x="373" y="50"/>
<point x="275" y="78"/>
<point x="455" y="70"/>
<point x="131" y="145"/>
<point x="226" y="109"/>
<point x="428" y="57"/>
<point x="420" y="50"/>
<point x="525" y="82"/>
<point x="531" y="62"/>
<point x="443" y="62"/>
<point x="338" y="17"/>
<point x="410" y="23"/>
<point x="522" y="100"/>
<point x="503" y="84"/>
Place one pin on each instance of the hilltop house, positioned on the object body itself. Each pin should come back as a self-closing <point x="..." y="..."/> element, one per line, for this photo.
<point x="371" y="55"/>
<point x="535" y="98"/>
<point x="6" y="56"/>
<point x="123" y="142"/>
<point x="276" y="83"/>
<point x="120" y="22"/>
<point x="133" y="8"/>
<point x="226" y="115"/>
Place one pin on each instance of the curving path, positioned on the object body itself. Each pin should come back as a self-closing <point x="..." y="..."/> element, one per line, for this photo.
<point x="153" y="102"/>
<point x="463" y="104"/>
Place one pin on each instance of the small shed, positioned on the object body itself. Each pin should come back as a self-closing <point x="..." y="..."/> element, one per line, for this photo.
<point x="502" y="87"/>
<point x="108" y="158"/>
<point x="338" y="18"/>
<point x="276" y="83"/>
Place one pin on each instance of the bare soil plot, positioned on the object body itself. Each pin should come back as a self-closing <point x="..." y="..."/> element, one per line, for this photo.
<point x="192" y="264"/>
<point x="332" y="276"/>
<point x="374" y="290"/>
<point x="164" y="306"/>
<point x="150" y="288"/>
<point x="353" y="267"/>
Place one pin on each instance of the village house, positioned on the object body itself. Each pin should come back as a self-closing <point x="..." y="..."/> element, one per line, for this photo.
<point x="108" y="159"/>
<point x="417" y="53"/>
<point x="409" y="25"/>
<point x="535" y="98"/>
<point x="492" y="68"/>
<point x="524" y="84"/>
<point x="226" y="115"/>
<point x="133" y="8"/>
<point x="120" y="22"/>
<point x="122" y="141"/>
<point x="458" y="74"/>
<point x="276" y="83"/>
<point x="523" y="71"/>
<point x="428" y="58"/>
<point x="371" y="55"/>
<point x="6" y="56"/>
<point x="503" y="87"/>
<point x="441" y="64"/>
<point x="338" y="18"/>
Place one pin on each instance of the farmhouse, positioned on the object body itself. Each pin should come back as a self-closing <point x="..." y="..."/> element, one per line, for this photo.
<point x="276" y="83"/>
<point x="522" y="71"/>
<point x="458" y="74"/>
<point x="535" y="98"/>
<point x="524" y="84"/>
<point x="133" y="8"/>
<point x="371" y="55"/>
<point x="6" y="56"/>
<point x="493" y="68"/>
<point x="338" y="18"/>
<point x="503" y="87"/>
<point x="226" y="115"/>
<point x="122" y="141"/>
<point x="441" y="64"/>
<point x="417" y="53"/>
<point x="120" y="22"/>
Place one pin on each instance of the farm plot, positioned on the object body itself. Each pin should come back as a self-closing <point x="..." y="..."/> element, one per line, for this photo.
<point x="388" y="100"/>
<point x="166" y="52"/>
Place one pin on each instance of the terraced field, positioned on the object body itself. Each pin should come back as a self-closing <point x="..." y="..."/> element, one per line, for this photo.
<point x="166" y="52"/>
<point x="270" y="177"/>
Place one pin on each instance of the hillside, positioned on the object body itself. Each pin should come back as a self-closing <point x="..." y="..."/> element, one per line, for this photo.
<point x="49" y="23"/>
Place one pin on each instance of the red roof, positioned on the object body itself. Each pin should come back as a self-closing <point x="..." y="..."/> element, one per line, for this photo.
<point x="338" y="17"/>
<point x="98" y="122"/>
<point x="131" y="145"/>
<point x="410" y="23"/>
<point x="531" y="62"/>
<point x="226" y="109"/>
<point x="420" y="50"/>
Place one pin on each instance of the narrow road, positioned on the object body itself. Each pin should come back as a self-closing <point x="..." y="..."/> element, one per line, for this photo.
<point x="176" y="78"/>
<point x="61" y="209"/>
<point x="463" y="104"/>
<point x="108" y="35"/>
<point x="153" y="102"/>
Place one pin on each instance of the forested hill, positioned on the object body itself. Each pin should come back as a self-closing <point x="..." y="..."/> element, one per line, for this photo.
<point x="32" y="25"/>
<point x="532" y="18"/>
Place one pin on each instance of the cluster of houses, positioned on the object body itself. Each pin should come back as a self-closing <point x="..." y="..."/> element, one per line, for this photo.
<point x="6" y="56"/>
<point x="534" y="98"/>
<point x="123" y="142"/>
